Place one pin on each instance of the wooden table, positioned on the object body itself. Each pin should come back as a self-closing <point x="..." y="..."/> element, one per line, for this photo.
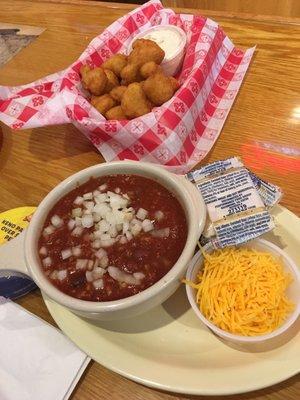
<point x="263" y="128"/>
<point x="287" y="8"/>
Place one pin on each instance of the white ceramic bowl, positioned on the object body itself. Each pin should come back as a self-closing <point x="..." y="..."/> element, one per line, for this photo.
<point x="195" y="212"/>
<point x="170" y="65"/>
<point x="293" y="292"/>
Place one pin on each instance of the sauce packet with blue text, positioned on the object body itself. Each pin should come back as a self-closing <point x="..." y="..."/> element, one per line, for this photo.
<point x="237" y="202"/>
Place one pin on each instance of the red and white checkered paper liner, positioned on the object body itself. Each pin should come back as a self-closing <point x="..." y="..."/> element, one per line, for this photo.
<point x="179" y="133"/>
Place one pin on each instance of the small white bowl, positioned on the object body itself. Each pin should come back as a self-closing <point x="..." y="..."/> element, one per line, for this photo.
<point x="170" y="65"/>
<point x="293" y="292"/>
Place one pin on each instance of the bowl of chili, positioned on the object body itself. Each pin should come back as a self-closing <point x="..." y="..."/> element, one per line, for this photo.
<point x="114" y="240"/>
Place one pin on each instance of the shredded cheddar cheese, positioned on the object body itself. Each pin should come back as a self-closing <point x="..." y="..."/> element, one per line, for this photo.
<point x="242" y="291"/>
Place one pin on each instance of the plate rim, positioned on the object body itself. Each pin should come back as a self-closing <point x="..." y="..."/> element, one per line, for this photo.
<point x="214" y="391"/>
<point x="166" y="388"/>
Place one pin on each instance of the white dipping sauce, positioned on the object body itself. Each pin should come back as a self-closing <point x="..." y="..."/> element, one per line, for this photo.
<point x="169" y="40"/>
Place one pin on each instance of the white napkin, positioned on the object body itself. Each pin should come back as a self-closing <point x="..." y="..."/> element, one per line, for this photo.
<point x="36" y="360"/>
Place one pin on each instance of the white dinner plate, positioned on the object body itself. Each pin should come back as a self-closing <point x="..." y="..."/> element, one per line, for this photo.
<point x="169" y="349"/>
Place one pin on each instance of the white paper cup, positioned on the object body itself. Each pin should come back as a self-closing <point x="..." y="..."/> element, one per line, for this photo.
<point x="170" y="65"/>
<point x="293" y="293"/>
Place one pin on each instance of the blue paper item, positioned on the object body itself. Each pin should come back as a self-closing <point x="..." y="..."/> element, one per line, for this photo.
<point x="14" y="284"/>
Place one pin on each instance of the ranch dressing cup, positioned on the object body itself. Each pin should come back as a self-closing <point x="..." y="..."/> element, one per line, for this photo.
<point x="172" y="40"/>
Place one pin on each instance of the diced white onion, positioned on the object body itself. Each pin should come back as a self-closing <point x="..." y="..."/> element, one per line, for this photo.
<point x="101" y="198"/>
<point x="78" y="201"/>
<point x="119" y="227"/>
<point x="87" y="221"/>
<point x="102" y="209"/>
<point x="76" y="251"/>
<point x="89" y="276"/>
<point x="147" y="225"/>
<point x="87" y="212"/>
<point x="43" y="251"/>
<point x="135" y="221"/>
<point x="130" y="280"/>
<point x="116" y="201"/>
<point x="159" y="215"/>
<point x="97" y="234"/>
<point x="56" y="221"/>
<point x="47" y="262"/>
<point x="96" y="217"/>
<point x="62" y="274"/>
<point x="66" y="254"/>
<point x="125" y="227"/>
<point x="113" y="231"/>
<point x="105" y="236"/>
<point x="89" y="205"/>
<point x="90" y="265"/>
<point x="98" y="272"/>
<point x="71" y="224"/>
<point x="112" y="219"/>
<point x="139" y="275"/>
<point x="128" y="216"/>
<point x="142" y="213"/>
<point x="77" y="212"/>
<point x="161" y="233"/>
<point x="115" y="273"/>
<point x="103" y="226"/>
<point x="103" y="262"/>
<point x="88" y="196"/>
<point x="135" y="229"/>
<point x="121" y="276"/>
<point x="96" y="244"/>
<point x="49" y="230"/>
<point x="77" y="231"/>
<point x="100" y="253"/>
<point x="81" y="263"/>
<point x="115" y="217"/>
<point x="98" y="284"/>
<point x="78" y="221"/>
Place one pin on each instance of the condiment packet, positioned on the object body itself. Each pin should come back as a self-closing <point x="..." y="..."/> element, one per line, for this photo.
<point x="270" y="194"/>
<point x="237" y="202"/>
<point x="178" y="134"/>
